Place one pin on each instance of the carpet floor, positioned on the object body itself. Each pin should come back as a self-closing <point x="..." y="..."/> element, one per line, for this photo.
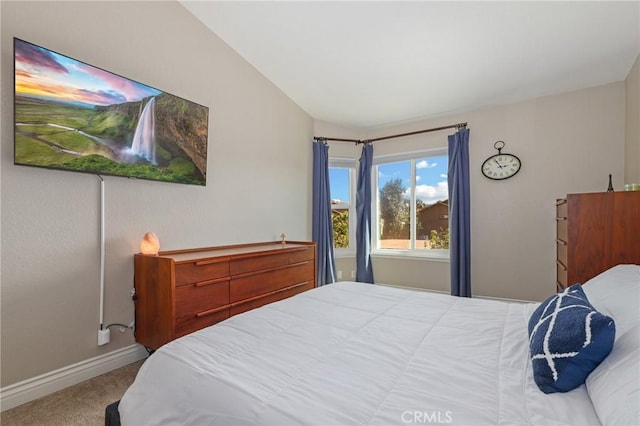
<point x="82" y="404"/>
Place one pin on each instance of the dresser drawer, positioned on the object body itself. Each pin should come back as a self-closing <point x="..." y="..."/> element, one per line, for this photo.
<point x="258" y="263"/>
<point x="256" y="302"/>
<point x="199" y="306"/>
<point x="252" y="285"/>
<point x="201" y="270"/>
<point x="194" y="298"/>
<point x="186" y="325"/>
<point x="307" y="285"/>
<point x="301" y="255"/>
<point x="247" y="305"/>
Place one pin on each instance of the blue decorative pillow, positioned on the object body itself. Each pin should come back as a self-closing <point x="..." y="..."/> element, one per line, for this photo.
<point x="568" y="338"/>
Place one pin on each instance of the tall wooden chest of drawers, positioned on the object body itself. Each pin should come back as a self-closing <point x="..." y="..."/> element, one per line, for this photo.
<point x="595" y="232"/>
<point x="179" y="292"/>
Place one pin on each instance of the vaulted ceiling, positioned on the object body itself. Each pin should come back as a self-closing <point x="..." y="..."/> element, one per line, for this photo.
<point x="371" y="63"/>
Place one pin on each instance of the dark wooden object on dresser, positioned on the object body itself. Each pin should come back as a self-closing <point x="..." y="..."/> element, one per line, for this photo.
<point x="179" y="292"/>
<point x="595" y="232"/>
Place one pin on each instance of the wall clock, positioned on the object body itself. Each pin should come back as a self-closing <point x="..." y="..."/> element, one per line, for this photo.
<point x="501" y="166"/>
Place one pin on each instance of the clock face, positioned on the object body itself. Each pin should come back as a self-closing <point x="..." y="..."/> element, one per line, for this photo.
<point x="501" y="166"/>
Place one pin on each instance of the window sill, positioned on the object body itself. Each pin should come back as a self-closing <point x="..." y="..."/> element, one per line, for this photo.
<point x="398" y="254"/>
<point x="439" y="256"/>
<point x="339" y="254"/>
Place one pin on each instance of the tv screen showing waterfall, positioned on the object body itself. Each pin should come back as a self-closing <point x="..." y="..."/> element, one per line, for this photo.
<point x="73" y="116"/>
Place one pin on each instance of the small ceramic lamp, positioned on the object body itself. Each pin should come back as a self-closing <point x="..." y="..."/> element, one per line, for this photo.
<point x="150" y="244"/>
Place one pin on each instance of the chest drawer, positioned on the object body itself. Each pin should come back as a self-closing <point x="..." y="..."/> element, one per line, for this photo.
<point x="561" y="251"/>
<point x="562" y="207"/>
<point x="562" y="230"/>
<point x="562" y="220"/>
<point x="201" y="270"/>
<point x="561" y="276"/>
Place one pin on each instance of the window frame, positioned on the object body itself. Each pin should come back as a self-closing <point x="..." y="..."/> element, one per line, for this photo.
<point x="411" y="156"/>
<point x="351" y="165"/>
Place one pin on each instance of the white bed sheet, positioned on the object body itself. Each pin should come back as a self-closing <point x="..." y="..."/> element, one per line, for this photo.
<point x="352" y="353"/>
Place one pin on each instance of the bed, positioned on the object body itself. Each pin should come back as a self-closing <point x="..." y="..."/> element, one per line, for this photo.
<point x="362" y="354"/>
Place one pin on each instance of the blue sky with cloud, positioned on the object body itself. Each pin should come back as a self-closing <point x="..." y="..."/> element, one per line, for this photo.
<point x="431" y="179"/>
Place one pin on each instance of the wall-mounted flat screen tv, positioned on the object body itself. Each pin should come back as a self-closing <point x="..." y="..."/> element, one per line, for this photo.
<point x="73" y="116"/>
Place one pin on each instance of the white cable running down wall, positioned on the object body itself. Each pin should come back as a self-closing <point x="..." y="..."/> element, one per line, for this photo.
<point x="102" y="250"/>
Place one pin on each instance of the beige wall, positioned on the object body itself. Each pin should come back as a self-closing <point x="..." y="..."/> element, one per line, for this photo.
<point x="259" y="155"/>
<point x="50" y="219"/>
<point x="632" y="127"/>
<point x="567" y="143"/>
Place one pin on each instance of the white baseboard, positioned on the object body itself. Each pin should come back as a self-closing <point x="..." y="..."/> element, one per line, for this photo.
<point x="27" y="390"/>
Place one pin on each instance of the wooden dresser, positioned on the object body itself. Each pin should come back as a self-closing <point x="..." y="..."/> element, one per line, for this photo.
<point x="595" y="232"/>
<point x="179" y="292"/>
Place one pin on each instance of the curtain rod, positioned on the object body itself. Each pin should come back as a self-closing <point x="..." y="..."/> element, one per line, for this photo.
<point x="357" y="141"/>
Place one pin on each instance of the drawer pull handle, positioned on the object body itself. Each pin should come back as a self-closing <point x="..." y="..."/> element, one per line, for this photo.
<point x="561" y="218"/>
<point x="564" y="268"/>
<point x="559" y="241"/>
<point x="561" y="201"/>
<point x="211" y="282"/>
<point x="211" y="311"/>
<point x="271" y="293"/>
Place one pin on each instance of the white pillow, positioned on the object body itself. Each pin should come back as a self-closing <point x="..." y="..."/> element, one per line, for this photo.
<point x="614" y="386"/>
<point x="616" y="293"/>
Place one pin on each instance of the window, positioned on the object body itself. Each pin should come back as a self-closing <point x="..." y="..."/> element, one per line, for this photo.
<point x="411" y="208"/>
<point x="342" y="184"/>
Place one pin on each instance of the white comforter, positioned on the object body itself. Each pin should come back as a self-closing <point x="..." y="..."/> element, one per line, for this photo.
<point x="354" y="354"/>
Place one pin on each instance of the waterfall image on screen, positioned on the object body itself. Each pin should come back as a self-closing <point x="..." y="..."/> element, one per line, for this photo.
<point x="73" y="116"/>
<point x="144" y="139"/>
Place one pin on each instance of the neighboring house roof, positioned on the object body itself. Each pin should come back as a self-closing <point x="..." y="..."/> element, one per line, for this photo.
<point x="437" y="203"/>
